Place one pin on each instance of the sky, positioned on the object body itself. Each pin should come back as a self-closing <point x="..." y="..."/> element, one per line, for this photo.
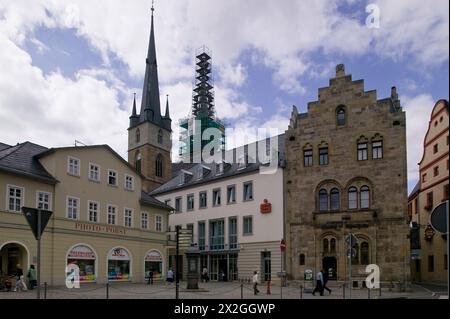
<point x="69" y="68"/>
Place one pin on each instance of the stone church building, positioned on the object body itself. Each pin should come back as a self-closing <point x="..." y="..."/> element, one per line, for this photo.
<point x="346" y="173"/>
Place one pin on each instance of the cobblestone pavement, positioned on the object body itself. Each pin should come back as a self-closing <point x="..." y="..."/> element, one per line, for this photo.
<point x="212" y="290"/>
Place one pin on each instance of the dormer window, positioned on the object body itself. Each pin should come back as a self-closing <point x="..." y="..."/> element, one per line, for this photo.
<point x="184" y="176"/>
<point x="219" y="168"/>
<point x="242" y="162"/>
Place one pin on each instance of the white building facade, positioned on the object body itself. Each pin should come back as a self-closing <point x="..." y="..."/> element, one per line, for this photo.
<point x="236" y="214"/>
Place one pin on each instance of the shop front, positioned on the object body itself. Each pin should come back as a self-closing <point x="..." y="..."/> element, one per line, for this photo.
<point x="153" y="262"/>
<point x="119" y="264"/>
<point x="85" y="258"/>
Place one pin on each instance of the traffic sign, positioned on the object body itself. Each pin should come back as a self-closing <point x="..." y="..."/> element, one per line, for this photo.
<point x="351" y="240"/>
<point x="31" y="215"/>
<point x="438" y="218"/>
<point x="282" y="245"/>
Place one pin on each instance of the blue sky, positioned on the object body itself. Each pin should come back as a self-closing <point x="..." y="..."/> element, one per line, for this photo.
<point x="74" y="65"/>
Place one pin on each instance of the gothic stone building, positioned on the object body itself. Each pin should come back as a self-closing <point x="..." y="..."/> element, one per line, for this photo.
<point x="346" y="172"/>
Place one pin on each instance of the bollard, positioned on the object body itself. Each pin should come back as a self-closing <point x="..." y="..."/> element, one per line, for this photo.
<point x="343" y="291"/>
<point x="268" y="287"/>
<point x="242" y="291"/>
<point x="107" y="290"/>
<point x="379" y="294"/>
<point x="45" y="290"/>
<point x="301" y="292"/>
<point x="368" y="293"/>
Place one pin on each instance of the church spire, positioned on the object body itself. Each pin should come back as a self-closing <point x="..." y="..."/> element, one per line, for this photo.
<point x="167" y="116"/>
<point x="134" y="106"/>
<point x="150" y="106"/>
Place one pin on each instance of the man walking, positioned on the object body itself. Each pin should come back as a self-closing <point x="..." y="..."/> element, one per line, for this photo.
<point x="319" y="283"/>
<point x="32" y="277"/>
<point x="325" y="280"/>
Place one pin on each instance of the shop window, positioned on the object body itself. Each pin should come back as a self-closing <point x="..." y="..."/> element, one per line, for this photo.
<point x="119" y="264"/>
<point x="153" y="263"/>
<point x="84" y="258"/>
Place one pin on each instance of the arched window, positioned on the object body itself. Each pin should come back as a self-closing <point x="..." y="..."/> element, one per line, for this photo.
<point x="352" y="198"/>
<point x="334" y="199"/>
<point x="138" y="136"/>
<point x="325" y="246"/>
<point x="138" y="162"/>
<point x="333" y="245"/>
<point x="365" y="253"/>
<point x="159" y="166"/>
<point x="323" y="200"/>
<point x="160" y="136"/>
<point x="364" y="197"/>
<point x="340" y="116"/>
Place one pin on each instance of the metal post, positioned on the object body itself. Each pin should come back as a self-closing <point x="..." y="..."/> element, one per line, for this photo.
<point x="45" y="290"/>
<point x="368" y="293"/>
<point x="38" y="257"/>
<point x="242" y="290"/>
<point x="177" y="262"/>
<point x="350" y="284"/>
<point x="343" y="290"/>
<point x="281" y="288"/>
<point x="301" y="292"/>
<point x="107" y="290"/>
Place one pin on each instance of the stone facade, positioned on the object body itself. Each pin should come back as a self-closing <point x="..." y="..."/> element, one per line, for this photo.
<point x="366" y="196"/>
<point x="429" y="248"/>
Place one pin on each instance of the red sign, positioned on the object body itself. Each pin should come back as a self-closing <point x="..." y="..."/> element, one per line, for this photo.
<point x="282" y="245"/>
<point x="265" y="207"/>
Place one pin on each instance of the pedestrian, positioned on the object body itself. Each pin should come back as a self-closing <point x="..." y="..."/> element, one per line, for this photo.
<point x="170" y="275"/>
<point x="19" y="279"/>
<point x="31" y="275"/>
<point x="221" y="275"/>
<point x="205" y="276"/>
<point x="255" y="282"/>
<point x="319" y="283"/>
<point x="325" y="280"/>
<point x="150" y="277"/>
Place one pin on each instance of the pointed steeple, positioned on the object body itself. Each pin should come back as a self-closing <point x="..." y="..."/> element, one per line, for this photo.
<point x="150" y="107"/>
<point x="167" y="115"/>
<point x="134" y="106"/>
<point x="134" y="118"/>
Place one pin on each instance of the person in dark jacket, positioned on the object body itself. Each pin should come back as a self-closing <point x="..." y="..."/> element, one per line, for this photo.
<point x="325" y="280"/>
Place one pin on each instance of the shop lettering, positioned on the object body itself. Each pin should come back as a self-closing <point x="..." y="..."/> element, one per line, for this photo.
<point x="99" y="228"/>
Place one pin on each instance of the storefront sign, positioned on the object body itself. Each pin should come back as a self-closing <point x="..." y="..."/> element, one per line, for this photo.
<point x="119" y="254"/>
<point x="81" y="252"/>
<point x="153" y="255"/>
<point x="266" y="207"/>
<point x="99" y="228"/>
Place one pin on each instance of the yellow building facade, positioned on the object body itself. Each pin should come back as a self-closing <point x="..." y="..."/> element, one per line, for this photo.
<point x="102" y="220"/>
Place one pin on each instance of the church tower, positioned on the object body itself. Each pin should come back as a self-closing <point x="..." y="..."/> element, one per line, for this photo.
<point x="150" y="133"/>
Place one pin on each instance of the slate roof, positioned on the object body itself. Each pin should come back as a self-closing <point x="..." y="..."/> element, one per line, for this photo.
<point x="4" y="146"/>
<point x="414" y="191"/>
<point x="210" y="174"/>
<point x="20" y="160"/>
<point x="147" y="199"/>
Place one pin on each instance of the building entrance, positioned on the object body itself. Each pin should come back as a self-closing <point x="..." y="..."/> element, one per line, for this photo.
<point x="329" y="264"/>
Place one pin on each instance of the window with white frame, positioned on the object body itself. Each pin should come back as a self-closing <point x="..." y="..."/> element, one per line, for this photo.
<point x="129" y="182"/>
<point x="248" y="191"/>
<point x="112" y="212"/>
<point x="15" y="198"/>
<point x="93" y="208"/>
<point x="248" y="225"/>
<point x="190" y="202"/>
<point x="112" y="177"/>
<point x="73" y="166"/>
<point x="128" y="217"/>
<point x="216" y="197"/>
<point x="43" y="200"/>
<point x="158" y="223"/>
<point x="231" y="194"/>
<point x="73" y="207"/>
<point x="144" y="220"/>
<point x="94" y="172"/>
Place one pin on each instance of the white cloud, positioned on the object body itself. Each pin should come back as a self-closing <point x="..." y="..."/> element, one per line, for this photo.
<point x="418" y="110"/>
<point x="233" y="75"/>
<point x="54" y="110"/>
